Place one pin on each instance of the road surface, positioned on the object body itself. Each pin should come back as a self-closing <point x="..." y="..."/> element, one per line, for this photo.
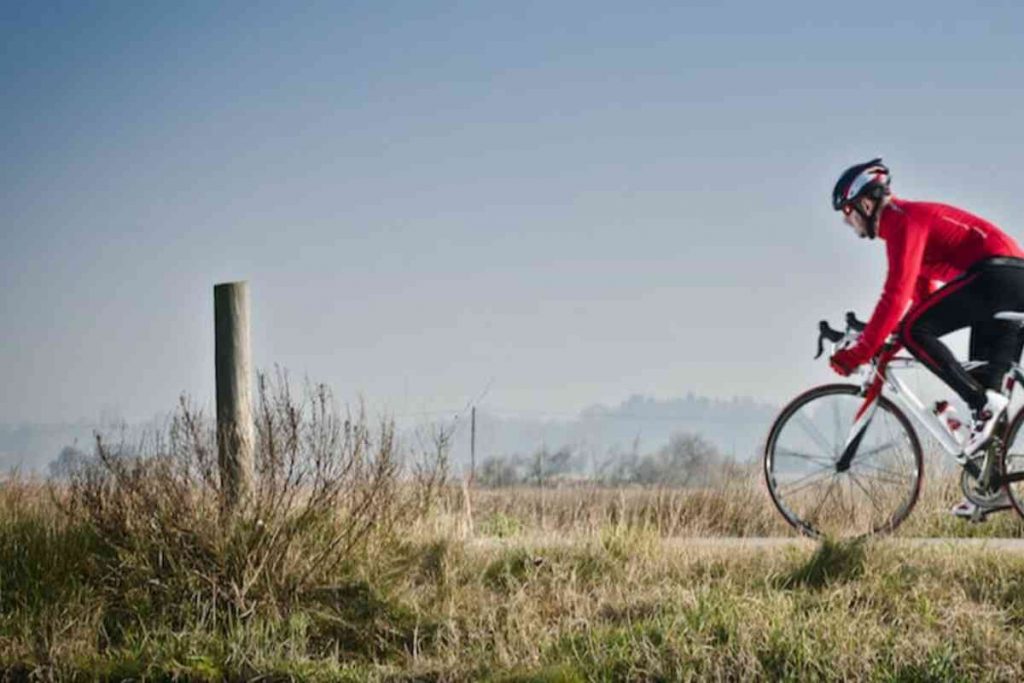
<point x="723" y="543"/>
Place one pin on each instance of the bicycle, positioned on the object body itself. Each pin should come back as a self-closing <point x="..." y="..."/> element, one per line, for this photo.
<point x="867" y="479"/>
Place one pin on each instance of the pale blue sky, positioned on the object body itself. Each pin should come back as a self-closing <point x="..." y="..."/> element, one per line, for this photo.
<point x="570" y="202"/>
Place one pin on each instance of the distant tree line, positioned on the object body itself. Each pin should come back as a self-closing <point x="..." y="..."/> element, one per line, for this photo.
<point x="68" y="461"/>
<point x="687" y="460"/>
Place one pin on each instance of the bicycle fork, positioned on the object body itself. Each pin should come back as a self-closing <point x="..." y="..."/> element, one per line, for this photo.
<point x="861" y="421"/>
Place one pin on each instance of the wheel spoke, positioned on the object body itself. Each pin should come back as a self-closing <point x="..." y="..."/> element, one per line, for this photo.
<point x="812" y="431"/>
<point x="876" y="450"/>
<point x="819" y="460"/>
<point x="878" y="468"/>
<point x="818" y="478"/>
<point x="843" y="498"/>
<point x="836" y="423"/>
<point x="900" y="475"/>
<point x="828" y="492"/>
<point x="801" y="479"/>
<point x="884" y="480"/>
<point x="850" y="511"/>
<point x="855" y="480"/>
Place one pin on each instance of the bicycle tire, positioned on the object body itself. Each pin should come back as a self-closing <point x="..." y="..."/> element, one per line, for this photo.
<point x="1012" y="430"/>
<point x="913" y="481"/>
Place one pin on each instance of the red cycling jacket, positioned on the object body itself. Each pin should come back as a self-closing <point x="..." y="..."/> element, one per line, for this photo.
<point x="925" y="242"/>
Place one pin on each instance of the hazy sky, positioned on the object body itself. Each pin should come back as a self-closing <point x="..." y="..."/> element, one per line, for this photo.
<point x="568" y="202"/>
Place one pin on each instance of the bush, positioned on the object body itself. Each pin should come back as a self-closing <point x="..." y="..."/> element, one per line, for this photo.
<point x="327" y="491"/>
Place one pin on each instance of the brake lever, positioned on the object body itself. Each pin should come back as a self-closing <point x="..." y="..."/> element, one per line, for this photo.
<point x="853" y="324"/>
<point x="826" y="332"/>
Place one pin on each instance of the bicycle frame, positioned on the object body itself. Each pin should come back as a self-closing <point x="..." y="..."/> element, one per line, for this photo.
<point x="880" y="380"/>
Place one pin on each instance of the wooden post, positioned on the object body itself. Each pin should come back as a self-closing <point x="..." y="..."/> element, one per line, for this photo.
<point x="235" y="437"/>
<point x="472" y="447"/>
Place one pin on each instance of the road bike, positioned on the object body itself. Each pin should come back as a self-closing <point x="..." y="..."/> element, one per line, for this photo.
<point x="845" y="460"/>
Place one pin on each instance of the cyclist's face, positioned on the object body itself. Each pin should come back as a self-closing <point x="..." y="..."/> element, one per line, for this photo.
<point x="855" y="220"/>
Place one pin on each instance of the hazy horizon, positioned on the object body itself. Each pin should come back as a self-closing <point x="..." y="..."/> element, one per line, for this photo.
<point x="541" y="206"/>
<point x="733" y="427"/>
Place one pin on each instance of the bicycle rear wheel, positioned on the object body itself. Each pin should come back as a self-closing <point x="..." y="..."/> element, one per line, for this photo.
<point x="1013" y="462"/>
<point x="873" y="496"/>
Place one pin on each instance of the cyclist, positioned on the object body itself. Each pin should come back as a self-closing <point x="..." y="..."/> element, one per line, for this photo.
<point x="948" y="269"/>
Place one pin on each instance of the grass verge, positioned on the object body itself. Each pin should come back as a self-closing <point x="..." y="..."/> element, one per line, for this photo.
<point x="622" y="605"/>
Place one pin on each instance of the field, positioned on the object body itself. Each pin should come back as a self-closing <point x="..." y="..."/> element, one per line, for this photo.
<point x="739" y="508"/>
<point x="545" y="585"/>
<point x="350" y="565"/>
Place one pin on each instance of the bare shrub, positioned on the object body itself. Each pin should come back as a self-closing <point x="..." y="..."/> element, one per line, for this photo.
<point x="328" y="490"/>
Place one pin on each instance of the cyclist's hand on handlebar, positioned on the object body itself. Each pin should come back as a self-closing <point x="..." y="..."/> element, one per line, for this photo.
<point x="845" y="361"/>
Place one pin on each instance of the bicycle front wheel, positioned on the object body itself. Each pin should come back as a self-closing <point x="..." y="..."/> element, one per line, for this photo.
<point x="878" y="490"/>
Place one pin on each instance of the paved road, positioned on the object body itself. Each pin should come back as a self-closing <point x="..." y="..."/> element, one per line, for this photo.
<point x="1009" y="544"/>
<point x="713" y="543"/>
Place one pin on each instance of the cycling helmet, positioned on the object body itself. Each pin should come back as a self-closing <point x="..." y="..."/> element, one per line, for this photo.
<point x="870" y="179"/>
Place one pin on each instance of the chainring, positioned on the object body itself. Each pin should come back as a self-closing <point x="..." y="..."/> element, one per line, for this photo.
<point x="985" y="496"/>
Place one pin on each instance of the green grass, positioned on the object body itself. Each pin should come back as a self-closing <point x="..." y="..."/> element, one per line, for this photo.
<point x="589" y="610"/>
<point x="597" y="600"/>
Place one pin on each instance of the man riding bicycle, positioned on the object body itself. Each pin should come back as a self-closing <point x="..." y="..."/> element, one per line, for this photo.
<point x="980" y="270"/>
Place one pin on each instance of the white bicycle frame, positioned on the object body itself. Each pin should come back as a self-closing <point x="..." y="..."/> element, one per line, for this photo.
<point x="878" y="381"/>
<point x="897" y="391"/>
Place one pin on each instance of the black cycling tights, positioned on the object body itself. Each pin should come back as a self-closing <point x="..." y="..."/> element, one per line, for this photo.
<point x="988" y="287"/>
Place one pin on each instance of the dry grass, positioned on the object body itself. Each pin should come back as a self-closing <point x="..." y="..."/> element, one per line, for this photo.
<point x="740" y="507"/>
<point x="632" y="608"/>
<point x="363" y="569"/>
<point x="621" y="604"/>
